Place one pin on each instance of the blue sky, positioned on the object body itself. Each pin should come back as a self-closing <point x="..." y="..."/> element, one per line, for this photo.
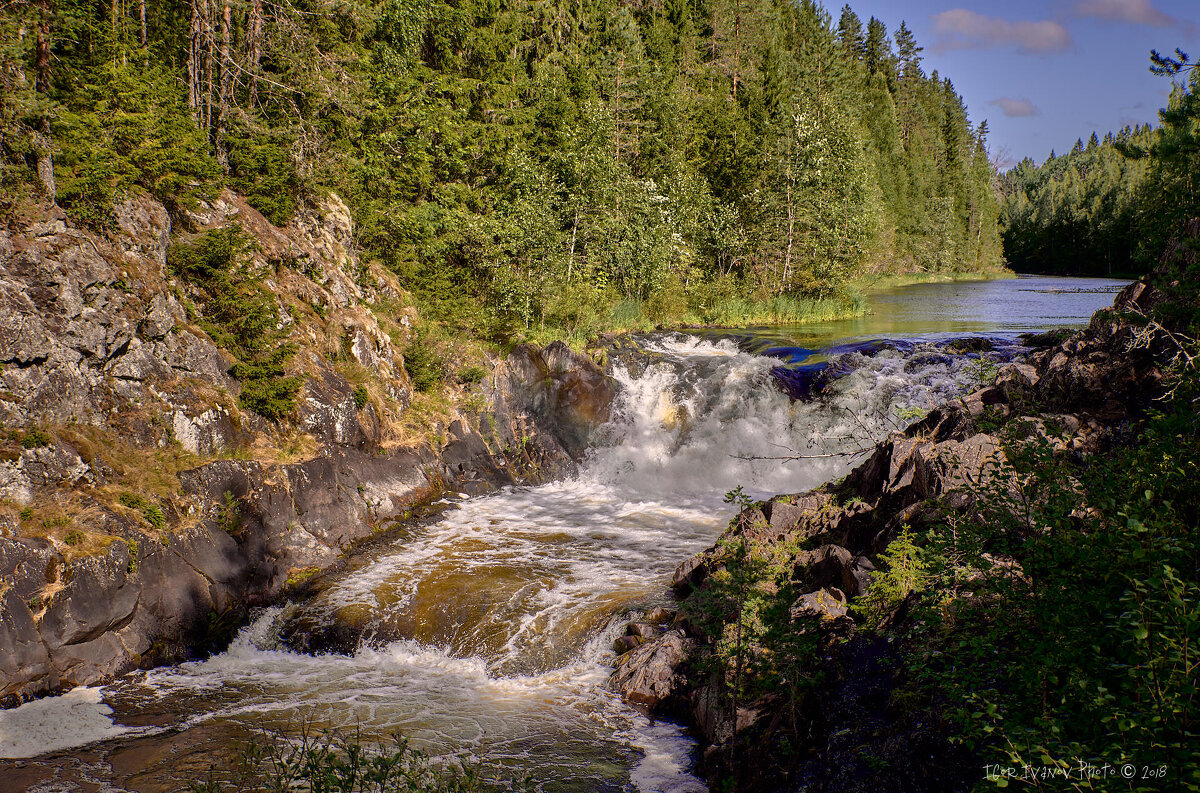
<point x="1044" y="73"/>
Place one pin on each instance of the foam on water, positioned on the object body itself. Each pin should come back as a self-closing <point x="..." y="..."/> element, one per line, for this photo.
<point x="489" y="633"/>
<point x="76" y="718"/>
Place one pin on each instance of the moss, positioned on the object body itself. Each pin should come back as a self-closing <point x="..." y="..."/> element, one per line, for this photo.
<point x="132" y="567"/>
<point x="35" y="439"/>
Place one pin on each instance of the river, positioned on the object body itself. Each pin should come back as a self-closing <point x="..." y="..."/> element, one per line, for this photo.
<point x="487" y="633"/>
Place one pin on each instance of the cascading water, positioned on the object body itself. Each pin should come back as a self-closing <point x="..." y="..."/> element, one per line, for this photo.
<point x="488" y="634"/>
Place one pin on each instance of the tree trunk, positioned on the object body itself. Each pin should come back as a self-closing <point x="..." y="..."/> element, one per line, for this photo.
<point x="142" y="17"/>
<point x="791" y="236"/>
<point x="226" y="85"/>
<point x="209" y="65"/>
<point x="42" y="140"/>
<point x="253" y="53"/>
<point x="193" y="62"/>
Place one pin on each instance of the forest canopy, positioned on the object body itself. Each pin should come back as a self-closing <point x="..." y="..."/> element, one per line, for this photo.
<point x="1111" y="206"/>
<point x="519" y="162"/>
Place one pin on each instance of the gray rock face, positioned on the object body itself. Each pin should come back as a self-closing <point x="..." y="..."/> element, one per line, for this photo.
<point x="650" y="674"/>
<point x="98" y="348"/>
<point x="89" y="321"/>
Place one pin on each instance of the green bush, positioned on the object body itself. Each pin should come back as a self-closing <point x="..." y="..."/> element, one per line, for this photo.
<point x="334" y="762"/>
<point x="151" y="512"/>
<point x="360" y="397"/>
<point x="242" y="316"/>
<point x="262" y="169"/>
<point x="35" y="438"/>
<point x="1060" y="623"/>
<point x="129" y="129"/>
<point x="229" y="513"/>
<point x="424" y="365"/>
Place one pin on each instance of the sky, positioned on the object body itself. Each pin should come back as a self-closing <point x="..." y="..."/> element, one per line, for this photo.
<point x="1045" y="73"/>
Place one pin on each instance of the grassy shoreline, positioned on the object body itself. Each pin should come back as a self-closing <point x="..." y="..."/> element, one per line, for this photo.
<point x="634" y="316"/>
<point x="872" y="283"/>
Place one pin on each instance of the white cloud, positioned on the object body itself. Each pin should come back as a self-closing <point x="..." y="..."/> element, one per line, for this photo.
<point x="1015" y="108"/>
<point x="960" y="29"/>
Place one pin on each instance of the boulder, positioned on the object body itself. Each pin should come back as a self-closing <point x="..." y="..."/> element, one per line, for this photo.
<point x="690" y="573"/>
<point x="650" y="674"/>
<point x="828" y="604"/>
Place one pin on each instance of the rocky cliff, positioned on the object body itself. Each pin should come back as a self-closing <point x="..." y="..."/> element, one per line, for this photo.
<point x="1079" y="393"/>
<point x="143" y="507"/>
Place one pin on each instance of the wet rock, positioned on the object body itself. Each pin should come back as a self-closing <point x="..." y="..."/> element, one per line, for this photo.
<point x="643" y="629"/>
<point x="564" y="392"/>
<point x="660" y="616"/>
<point x="623" y="644"/>
<point x="690" y="573"/>
<point x="651" y="674"/>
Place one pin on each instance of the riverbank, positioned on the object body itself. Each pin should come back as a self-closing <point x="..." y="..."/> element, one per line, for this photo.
<point x="870" y="283"/>
<point x="146" y="505"/>
<point x="729" y="311"/>
<point x="891" y="631"/>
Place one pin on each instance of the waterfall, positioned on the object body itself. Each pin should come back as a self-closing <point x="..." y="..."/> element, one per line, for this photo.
<point x="489" y="633"/>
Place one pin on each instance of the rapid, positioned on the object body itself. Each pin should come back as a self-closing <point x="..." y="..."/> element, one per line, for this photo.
<point x="487" y="634"/>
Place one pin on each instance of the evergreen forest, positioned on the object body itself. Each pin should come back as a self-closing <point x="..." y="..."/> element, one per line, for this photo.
<point x="1107" y="207"/>
<point x="522" y="165"/>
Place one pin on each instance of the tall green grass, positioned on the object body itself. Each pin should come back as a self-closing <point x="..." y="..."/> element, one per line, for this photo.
<point x="627" y="316"/>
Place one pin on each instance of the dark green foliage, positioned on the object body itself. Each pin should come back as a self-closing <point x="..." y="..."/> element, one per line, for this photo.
<point x="471" y="375"/>
<point x="151" y="512"/>
<point x="35" y="438"/>
<point x="1111" y="206"/>
<point x="524" y="166"/>
<point x="271" y="762"/>
<point x="756" y="648"/>
<point x="262" y="169"/>
<point x="74" y="537"/>
<point x="241" y="316"/>
<point x="424" y="364"/>
<point x="1078" y="641"/>
<point x="360" y="397"/>
<point x="1077" y="213"/>
<point x="229" y="514"/>
<point x="127" y="128"/>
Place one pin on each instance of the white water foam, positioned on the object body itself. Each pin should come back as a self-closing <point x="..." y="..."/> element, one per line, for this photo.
<point x="490" y="632"/>
<point x="76" y="718"/>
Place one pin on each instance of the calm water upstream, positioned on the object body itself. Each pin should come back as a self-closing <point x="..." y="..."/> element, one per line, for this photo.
<point x="490" y="630"/>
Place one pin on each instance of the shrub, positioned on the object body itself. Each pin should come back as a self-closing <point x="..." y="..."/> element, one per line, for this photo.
<point x="35" y="439"/>
<point x="241" y="316"/>
<point x="129" y="129"/>
<point x="333" y="762"/>
<point x="1060" y="622"/>
<point x="229" y="513"/>
<point x="360" y="397"/>
<point x="472" y="375"/>
<point x="152" y="513"/>
<point x="425" y="367"/>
